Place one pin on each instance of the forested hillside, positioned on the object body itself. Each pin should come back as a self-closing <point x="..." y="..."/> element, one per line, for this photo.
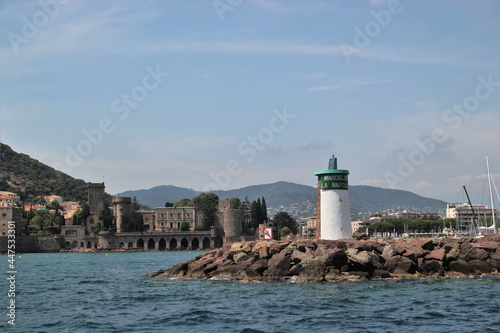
<point x="30" y="178"/>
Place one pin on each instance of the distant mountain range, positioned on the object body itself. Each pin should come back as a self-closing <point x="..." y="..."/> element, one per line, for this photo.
<point x="30" y="178"/>
<point x="282" y="194"/>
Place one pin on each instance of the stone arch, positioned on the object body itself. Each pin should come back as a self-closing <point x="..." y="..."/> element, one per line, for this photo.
<point x="82" y="244"/>
<point x="68" y="245"/>
<point x="74" y="245"/>
<point x="130" y="245"/>
<point x="195" y="244"/>
<point x="206" y="243"/>
<point x="151" y="244"/>
<point x="122" y="245"/>
<point x="162" y="244"/>
<point x="140" y="243"/>
<point x="89" y="245"/>
<point x="184" y="243"/>
<point x="173" y="244"/>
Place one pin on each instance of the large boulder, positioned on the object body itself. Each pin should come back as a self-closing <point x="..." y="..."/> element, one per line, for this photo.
<point x="436" y="255"/>
<point x="460" y="266"/>
<point x="335" y="258"/>
<point x="469" y="252"/>
<point x="310" y="270"/>
<point x="431" y="267"/>
<point x="278" y="266"/>
<point x="400" y="265"/>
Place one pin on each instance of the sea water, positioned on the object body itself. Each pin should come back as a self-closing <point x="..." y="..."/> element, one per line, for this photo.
<point x="108" y="292"/>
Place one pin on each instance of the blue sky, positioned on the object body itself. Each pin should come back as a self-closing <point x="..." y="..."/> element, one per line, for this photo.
<point x="225" y="94"/>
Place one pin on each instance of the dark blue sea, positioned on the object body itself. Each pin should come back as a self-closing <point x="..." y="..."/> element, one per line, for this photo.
<point x="99" y="292"/>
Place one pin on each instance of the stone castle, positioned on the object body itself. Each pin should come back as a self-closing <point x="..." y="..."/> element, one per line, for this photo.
<point x="165" y="228"/>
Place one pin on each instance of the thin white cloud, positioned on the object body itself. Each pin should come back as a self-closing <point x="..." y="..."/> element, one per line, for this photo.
<point x="348" y="84"/>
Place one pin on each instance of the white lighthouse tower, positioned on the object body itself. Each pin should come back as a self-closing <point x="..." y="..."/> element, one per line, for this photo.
<point x="333" y="213"/>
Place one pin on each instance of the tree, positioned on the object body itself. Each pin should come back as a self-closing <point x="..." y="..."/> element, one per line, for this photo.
<point x="183" y="203"/>
<point x="255" y="214"/>
<point x="235" y="203"/>
<point x="207" y="204"/>
<point x="169" y="204"/>
<point x="184" y="226"/>
<point x="132" y="219"/>
<point x="245" y="210"/>
<point x="381" y="226"/>
<point x="285" y="231"/>
<point x="107" y="218"/>
<point x="263" y="209"/>
<point x="283" y="219"/>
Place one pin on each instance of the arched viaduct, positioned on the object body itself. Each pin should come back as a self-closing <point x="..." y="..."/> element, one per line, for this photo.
<point x="159" y="241"/>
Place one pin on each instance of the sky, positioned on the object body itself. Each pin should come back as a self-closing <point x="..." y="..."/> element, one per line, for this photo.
<point x="225" y="94"/>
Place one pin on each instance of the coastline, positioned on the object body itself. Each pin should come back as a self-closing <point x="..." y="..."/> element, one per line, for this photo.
<point x="344" y="259"/>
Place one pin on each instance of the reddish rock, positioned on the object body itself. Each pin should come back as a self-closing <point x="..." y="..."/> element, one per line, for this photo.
<point x="298" y="256"/>
<point x="426" y="243"/>
<point x="400" y="264"/>
<point x="430" y="267"/>
<point x="436" y="254"/>
<point x="335" y="257"/>
<point x="486" y="245"/>
<point x="257" y="269"/>
<point x="278" y="266"/>
<point x="460" y="266"/>
<point x="469" y="252"/>
<point x="480" y="266"/>
<point x="360" y="236"/>
<point x="388" y="252"/>
<point x="381" y="274"/>
<point x="310" y="270"/>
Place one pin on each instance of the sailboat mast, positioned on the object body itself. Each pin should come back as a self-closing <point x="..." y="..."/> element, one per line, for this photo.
<point x="491" y="197"/>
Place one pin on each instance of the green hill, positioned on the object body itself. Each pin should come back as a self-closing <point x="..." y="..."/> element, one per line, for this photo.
<point x="361" y="197"/>
<point x="30" y="178"/>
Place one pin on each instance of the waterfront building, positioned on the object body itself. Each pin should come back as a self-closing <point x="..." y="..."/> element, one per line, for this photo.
<point x="171" y="218"/>
<point x="462" y="212"/>
<point x="413" y="216"/>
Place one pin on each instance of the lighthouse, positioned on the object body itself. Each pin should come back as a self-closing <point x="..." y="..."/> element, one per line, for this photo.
<point x="333" y="213"/>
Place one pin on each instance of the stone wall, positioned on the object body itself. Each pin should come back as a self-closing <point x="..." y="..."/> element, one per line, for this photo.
<point x="34" y="244"/>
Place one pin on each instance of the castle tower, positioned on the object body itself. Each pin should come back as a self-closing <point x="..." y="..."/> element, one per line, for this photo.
<point x="95" y="196"/>
<point x="120" y="205"/>
<point x="334" y="216"/>
<point x="229" y="219"/>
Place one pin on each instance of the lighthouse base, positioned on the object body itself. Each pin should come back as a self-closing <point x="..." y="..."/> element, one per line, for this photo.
<point x="335" y="215"/>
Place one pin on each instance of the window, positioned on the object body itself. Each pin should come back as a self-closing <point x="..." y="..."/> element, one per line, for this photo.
<point x="178" y="215"/>
<point x="162" y="215"/>
<point x="171" y="215"/>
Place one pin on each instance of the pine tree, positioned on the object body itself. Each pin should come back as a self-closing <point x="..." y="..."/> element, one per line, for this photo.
<point x="255" y="214"/>
<point x="263" y="210"/>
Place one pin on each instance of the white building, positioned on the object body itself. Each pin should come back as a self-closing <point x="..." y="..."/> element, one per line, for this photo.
<point x="462" y="212"/>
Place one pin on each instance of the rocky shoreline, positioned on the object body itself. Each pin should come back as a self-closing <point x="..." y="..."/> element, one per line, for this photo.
<point x="345" y="259"/>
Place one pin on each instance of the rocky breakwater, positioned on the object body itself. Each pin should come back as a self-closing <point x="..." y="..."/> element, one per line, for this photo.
<point x="321" y="260"/>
